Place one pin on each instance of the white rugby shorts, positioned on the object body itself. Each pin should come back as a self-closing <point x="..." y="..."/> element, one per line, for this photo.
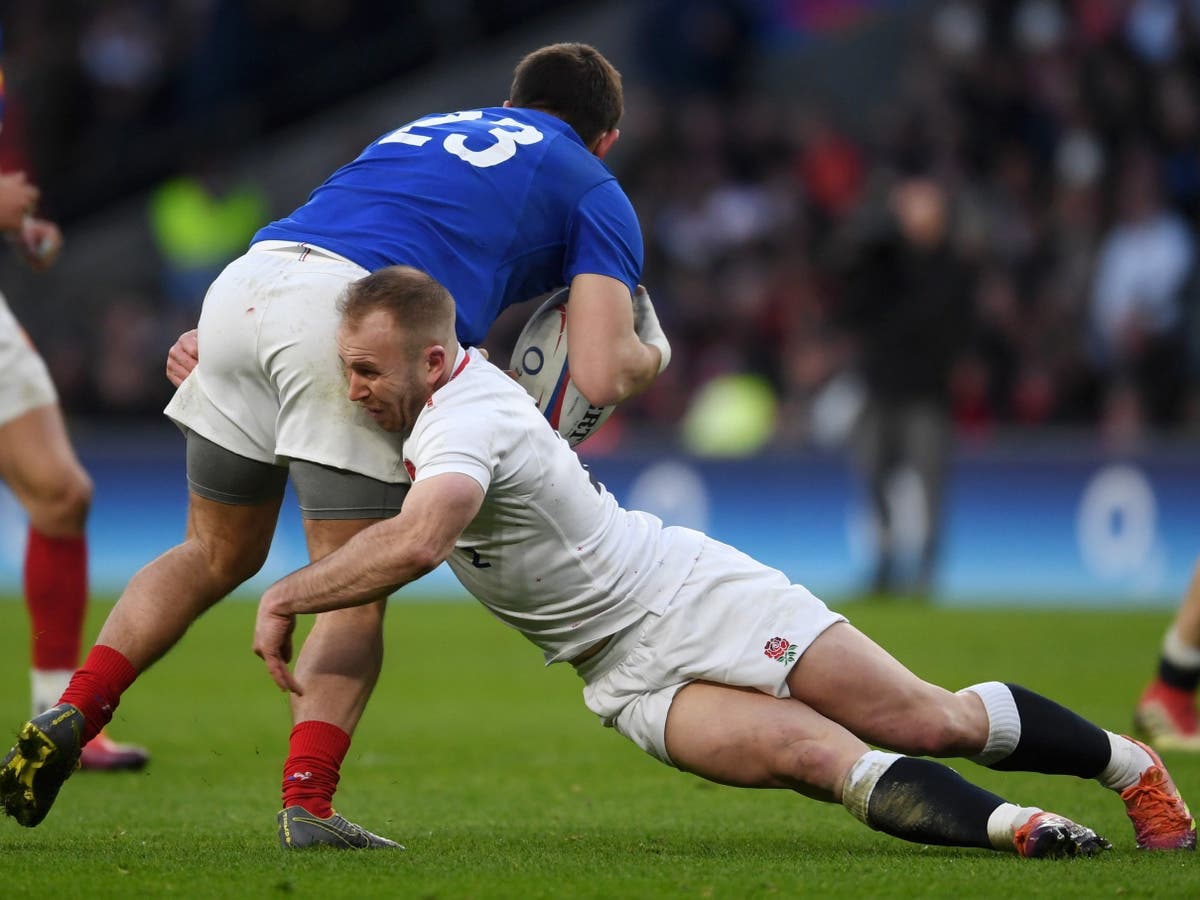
<point x="25" y="382"/>
<point x="734" y="621"/>
<point x="269" y="385"/>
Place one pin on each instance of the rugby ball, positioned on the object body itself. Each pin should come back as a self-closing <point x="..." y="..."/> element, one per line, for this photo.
<point x="539" y="361"/>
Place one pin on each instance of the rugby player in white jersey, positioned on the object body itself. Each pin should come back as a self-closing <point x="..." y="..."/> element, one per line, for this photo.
<point x="703" y="657"/>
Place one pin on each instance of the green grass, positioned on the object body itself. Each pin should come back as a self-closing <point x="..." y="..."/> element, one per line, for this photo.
<point x="501" y="784"/>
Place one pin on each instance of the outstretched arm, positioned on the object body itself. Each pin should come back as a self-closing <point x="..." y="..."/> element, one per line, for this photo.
<point x="376" y="561"/>
<point x="613" y="340"/>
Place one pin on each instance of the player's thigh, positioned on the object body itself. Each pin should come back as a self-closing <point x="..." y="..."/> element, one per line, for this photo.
<point x="37" y="460"/>
<point x="849" y="678"/>
<point x="233" y="538"/>
<point x="742" y="737"/>
<point x="733" y="622"/>
<point x="324" y="536"/>
<point x="337" y="504"/>
<point x="233" y="506"/>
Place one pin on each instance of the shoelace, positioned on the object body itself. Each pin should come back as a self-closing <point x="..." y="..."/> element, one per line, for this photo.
<point x="1158" y="811"/>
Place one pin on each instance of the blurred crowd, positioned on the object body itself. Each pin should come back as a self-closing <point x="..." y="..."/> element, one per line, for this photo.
<point x="1006" y="232"/>
<point x="1009" y="232"/>
<point x="139" y="81"/>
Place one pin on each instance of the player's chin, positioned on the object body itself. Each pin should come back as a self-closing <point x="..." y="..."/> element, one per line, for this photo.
<point x="381" y="418"/>
<point x="394" y="425"/>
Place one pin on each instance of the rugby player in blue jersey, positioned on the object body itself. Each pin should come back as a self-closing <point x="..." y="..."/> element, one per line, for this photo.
<point x="499" y="204"/>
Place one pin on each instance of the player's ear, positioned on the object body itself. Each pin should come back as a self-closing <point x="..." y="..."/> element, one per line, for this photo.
<point x="605" y="142"/>
<point x="435" y="362"/>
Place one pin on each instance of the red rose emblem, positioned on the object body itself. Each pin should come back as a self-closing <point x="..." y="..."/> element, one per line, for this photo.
<point x="776" y="647"/>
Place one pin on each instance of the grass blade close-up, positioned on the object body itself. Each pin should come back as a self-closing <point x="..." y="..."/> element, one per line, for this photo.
<point x="501" y="784"/>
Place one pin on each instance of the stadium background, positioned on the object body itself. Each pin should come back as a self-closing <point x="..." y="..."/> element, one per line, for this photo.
<point x="756" y="135"/>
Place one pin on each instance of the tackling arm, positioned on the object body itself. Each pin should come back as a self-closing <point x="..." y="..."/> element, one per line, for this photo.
<point x="375" y="561"/>
<point x="609" y="360"/>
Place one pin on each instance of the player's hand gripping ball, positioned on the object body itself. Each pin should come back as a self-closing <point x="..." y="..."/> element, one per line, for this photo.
<point x="539" y="361"/>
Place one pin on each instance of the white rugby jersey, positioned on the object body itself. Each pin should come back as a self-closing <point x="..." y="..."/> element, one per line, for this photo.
<point x="550" y="552"/>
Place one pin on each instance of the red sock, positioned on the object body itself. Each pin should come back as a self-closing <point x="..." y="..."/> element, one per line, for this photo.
<point x="96" y="688"/>
<point x="310" y="775"/>
<point x="56" y="596"/>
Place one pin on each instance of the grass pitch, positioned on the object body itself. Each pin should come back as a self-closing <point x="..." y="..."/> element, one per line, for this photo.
<point x="501" y="784"/>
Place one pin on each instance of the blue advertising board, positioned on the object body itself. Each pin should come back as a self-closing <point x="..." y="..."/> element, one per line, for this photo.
<point x="1055" y="526"/>
<point x="1060" y="525"/>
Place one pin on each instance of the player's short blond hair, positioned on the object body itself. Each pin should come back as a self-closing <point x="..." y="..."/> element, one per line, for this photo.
<point x="418" y="304"/>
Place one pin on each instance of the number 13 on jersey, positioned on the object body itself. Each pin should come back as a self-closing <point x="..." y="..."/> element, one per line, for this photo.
<point x="508" y="134"/>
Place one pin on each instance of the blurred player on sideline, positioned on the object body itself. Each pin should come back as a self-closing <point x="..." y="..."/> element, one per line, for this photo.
<point x="500" y="203"/>
<point x="700" y="655"/>
<point x="1166" y="712"/>
<point x="40" y="467"/>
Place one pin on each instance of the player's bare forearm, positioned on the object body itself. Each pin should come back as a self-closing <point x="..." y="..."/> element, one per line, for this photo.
<point x="339" y="580"/>
<point x="336" y="581"/>
<point x="375" y="562"/>
<point x="386" y="556"/>
<point x="645" y="369"/>
<point x="627" y="369"/>
<point x="372" y="563"/>
<point x="609" y="360"/>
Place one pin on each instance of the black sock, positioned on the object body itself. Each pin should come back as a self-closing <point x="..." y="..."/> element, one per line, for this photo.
<point x="1178" y="676"/>
<point x="1054" y="740"/>
<point x="928" y="803"/>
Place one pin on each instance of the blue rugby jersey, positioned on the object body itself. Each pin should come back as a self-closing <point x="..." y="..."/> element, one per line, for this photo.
<point x="497" y="204"/>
